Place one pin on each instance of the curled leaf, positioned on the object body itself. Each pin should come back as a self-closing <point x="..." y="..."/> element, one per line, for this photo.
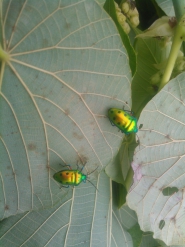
<point x="160" y="28"/>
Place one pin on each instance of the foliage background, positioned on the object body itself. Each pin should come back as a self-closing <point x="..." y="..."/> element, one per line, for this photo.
<point x="68" y="65"/>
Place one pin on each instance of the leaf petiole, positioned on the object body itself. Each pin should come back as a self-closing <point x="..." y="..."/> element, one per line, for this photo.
<point x="179" y="37"/>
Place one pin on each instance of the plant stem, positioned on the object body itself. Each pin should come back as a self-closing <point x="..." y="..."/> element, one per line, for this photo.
<point x="179" y="37"/>
<point x="179" y="7"/>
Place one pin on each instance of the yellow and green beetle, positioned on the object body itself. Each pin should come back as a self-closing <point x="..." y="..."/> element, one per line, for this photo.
<point x="123" y="120"/>
<point x="71" y="177"/>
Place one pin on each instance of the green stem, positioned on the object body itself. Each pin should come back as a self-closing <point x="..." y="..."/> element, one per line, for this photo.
<point x="179" y="7"/>
<point x="179" y="36"/>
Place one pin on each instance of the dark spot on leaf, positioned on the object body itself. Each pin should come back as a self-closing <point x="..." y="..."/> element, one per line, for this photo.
<point x="6" y="207"/>
<point x="169" y="191"/>
<point x="172" y="22"/>
<point x="77" y="136"/>
<point x="48" y="167"/>
<point x="67" y="112"/>
<point x="68" y="25"/>
<point x="31" y="146"/>
<point x="161" y="224"/>
<point x="83" y="159"/>
<point x="45" y="42"/>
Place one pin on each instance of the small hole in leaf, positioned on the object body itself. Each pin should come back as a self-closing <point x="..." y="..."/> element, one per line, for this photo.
<point x="161" y="224"/>
<point x="169" y="191"/>
<point x="140" y="126"/>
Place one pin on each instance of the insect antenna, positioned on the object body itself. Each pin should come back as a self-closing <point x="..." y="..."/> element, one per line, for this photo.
<point x="83" y="165"/>
<point x="92" y="171"/>
<point x="90" y="181"/>
<point x="92" y="184"/>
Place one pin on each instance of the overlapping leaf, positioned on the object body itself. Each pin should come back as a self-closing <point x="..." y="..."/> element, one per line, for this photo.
<point x="63" y="74"/>
<point x="159" y="165"/>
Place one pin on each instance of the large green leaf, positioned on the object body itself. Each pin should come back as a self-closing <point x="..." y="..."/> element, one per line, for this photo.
<point x="80" y="220"/>
<point x="157" y="194"/>
<point x="65" y="70"/>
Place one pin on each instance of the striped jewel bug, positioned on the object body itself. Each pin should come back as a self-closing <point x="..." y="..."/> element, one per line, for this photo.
<point x="72" y="177"/>
<point x="123" y="120"/>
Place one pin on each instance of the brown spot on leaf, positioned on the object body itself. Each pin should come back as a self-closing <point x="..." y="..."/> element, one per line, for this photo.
<point x="82" y="159"/>
<point x="48" y="167"/>
<point x="45" y="42"/>
<point x="67" y="111"/>
<point x="13" y="28"/>
<point x="31" y="146"/>
<point x="68" y="25"/>
<point x="77" y="136"/>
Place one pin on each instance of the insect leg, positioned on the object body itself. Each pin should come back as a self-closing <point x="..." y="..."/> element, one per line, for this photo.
<point x="77" y="165"/>
<point x="131" y="112"/>
<point x="92" y="184"/>
<point x="69" y="167"/>
<point x="65" y="186"/>
<point x="112" y="123"/>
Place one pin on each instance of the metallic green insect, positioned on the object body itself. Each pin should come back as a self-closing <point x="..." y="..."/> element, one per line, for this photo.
<point x="71" y="177"/>
<point x="123" y="120"/>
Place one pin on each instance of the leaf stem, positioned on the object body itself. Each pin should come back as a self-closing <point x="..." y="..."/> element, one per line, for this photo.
<point x="179" y="37"/>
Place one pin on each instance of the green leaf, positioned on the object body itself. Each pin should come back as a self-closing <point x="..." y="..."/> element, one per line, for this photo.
<point x="122" y="219"/>
<point x="136" y="234"/>
<point x="119" y="194"/>
<point x="142" y="239"/>
<point x="67" y="67"/>
<point x="166" y="6"/>
<point x="109" y="6"/>
<point x="119" y="169"/>
<point x="79" y="220"/>
<point x="150" y="53"/>
<point x="159" y="164"/>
